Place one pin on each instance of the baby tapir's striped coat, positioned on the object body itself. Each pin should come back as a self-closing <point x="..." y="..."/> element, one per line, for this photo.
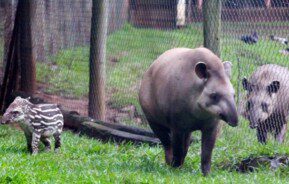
<point x="38" y="121"/>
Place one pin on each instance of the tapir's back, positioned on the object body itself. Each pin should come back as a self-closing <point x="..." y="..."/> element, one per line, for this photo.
<point x="265" y="74"/>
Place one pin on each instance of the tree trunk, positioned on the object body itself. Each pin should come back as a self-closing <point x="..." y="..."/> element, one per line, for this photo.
<point x="11" y="73"/>
<point x="26" y="56"/>
<point x="212" y="25"/>
<point x="189" y="12"/>
<point x="9" y="18"/>
<point x="96" y="106"/>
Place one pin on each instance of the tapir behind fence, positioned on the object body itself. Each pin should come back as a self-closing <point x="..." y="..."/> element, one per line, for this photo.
<point x="267" y="102"/>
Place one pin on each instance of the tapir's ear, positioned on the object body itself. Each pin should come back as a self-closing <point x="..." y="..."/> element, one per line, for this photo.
<point x="201" y="70"/>
<point x="246" y="84"/>
<point x="228" y="68"/>
<point x="273" y="87"/>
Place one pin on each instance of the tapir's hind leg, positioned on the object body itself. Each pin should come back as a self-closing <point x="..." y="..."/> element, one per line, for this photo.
<point x="163" y="134"/>
<point x="181" y="142"/>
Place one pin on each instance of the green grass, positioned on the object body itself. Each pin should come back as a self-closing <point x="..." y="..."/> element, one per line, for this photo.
<point x="84" y="160"/>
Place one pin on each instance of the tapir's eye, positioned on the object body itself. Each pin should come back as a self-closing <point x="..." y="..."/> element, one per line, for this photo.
<point x="15" y="113"/>
<point x="215" y="97"/>
<point x="249" y="105"/>
<point x="264" y="107"/>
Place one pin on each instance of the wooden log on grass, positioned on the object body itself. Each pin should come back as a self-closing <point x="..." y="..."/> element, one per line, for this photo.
<point x="74" y="121"/>
<point x="105" y="133"/>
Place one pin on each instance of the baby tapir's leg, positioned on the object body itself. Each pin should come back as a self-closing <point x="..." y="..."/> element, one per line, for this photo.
<point x="47" y="143"/>
<point x="35" y="142"/>
<point x="29" y="140"/>
<point x="57" y="137"/>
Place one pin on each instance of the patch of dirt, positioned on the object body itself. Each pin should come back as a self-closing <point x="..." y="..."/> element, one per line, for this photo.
<point x="117" y="57"/>
<point x="252" y="164"/>
<point x="113" y="115"/>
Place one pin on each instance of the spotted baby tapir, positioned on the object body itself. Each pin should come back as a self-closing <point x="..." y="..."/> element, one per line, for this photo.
<point x="38" y="121"/>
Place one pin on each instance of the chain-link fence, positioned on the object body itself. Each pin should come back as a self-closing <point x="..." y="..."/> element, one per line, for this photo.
<point x="254" y="32"/>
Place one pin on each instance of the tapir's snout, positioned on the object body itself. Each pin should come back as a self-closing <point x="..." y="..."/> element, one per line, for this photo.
<point x="5" y="119"/>
<point x="231" y="115"/>
<point x="231" y="119"/>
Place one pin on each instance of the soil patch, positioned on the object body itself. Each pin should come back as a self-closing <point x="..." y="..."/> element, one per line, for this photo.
<point x="252" y="164"/>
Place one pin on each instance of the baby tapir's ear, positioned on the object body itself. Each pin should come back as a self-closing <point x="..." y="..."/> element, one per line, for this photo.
<point x="18" y="98"/>
<point x="228" y="68"/>
<point x="273" y="87"/>
<point x="201" y="70"/>
<point x="246" y="84"/>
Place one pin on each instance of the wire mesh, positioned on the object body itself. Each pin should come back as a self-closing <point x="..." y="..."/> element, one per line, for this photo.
<point x="139" y="31"/>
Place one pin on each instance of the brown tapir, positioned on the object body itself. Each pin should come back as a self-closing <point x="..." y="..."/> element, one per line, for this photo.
<point x="186" y="90"/>
<point x="267" y="103"/>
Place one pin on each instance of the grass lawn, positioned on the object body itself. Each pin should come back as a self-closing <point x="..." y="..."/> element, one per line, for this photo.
<point x="83" y="160"/>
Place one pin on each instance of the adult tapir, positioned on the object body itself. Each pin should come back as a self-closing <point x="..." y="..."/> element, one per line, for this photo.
<point x="267" y="101"/>
<point x="186" y="90"/>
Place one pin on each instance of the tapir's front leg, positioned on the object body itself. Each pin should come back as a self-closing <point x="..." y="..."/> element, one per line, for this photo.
<point x="180" y="142"/>
<point x="262" y="134"/>
<point x="208" y="142"/>
<point x="280" y="135"/>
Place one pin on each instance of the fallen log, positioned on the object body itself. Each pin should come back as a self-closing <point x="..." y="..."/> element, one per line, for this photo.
<point x="102" y="130"/>
<point x="73" y="120"/>
<point x="105" y="133"/>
